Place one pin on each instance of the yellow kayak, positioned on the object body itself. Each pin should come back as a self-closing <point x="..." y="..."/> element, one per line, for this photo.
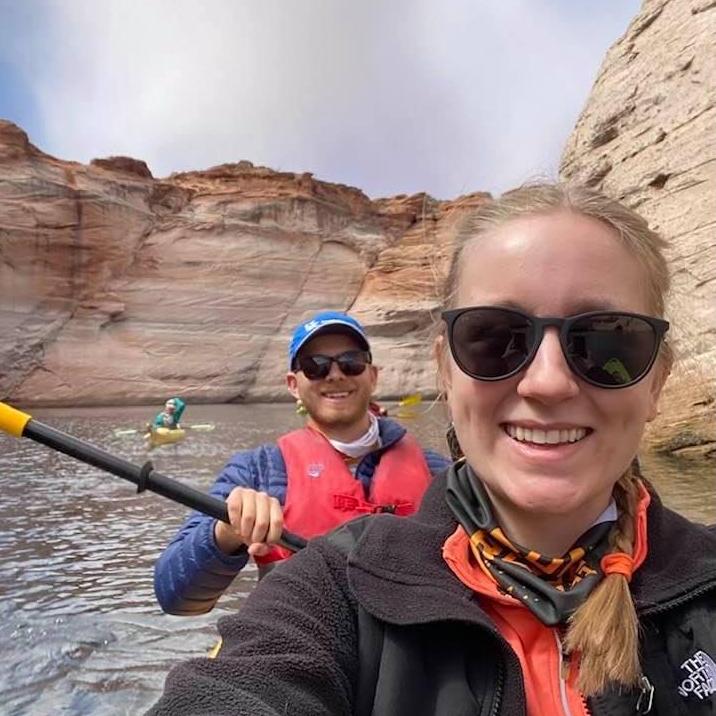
<point x="164" y="436"/>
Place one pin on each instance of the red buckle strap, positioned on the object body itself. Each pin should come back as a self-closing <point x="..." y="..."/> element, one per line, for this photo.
<point x="403" y="508"/>
<point x="348" y="503"/>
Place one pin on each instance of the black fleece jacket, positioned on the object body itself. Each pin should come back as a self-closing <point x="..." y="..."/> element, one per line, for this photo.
<point x="425" y="647"/>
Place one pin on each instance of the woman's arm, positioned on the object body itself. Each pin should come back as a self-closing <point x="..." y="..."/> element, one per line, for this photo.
<point x="292" y="649"/>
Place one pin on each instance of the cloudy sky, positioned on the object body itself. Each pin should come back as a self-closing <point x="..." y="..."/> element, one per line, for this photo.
<point x="391" y="96"/>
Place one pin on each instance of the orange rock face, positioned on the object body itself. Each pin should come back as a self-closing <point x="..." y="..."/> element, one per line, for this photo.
<point x="118" y="288"/>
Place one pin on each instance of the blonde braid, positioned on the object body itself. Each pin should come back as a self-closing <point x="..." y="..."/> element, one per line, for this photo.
<point x="604" y="631"/>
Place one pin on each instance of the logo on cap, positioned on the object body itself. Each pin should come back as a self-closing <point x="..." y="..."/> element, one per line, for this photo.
<point x="323" y="322"/>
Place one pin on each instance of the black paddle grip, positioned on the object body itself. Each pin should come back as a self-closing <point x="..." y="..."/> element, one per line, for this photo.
<point x="144" y="477"/>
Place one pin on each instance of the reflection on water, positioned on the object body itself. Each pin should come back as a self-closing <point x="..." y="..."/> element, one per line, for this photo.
<point x="80" y="632"/>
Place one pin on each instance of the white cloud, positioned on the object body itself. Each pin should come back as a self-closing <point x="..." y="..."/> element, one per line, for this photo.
<point x="392" y="97"/>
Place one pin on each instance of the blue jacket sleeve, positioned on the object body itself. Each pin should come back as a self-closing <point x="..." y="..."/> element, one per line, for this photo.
<point x="437" y="463"/>
<point x="192" y="572"/>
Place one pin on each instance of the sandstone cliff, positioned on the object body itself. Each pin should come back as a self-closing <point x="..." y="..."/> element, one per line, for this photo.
<point x="648" y="135"/>
<point x="117" y="288"/>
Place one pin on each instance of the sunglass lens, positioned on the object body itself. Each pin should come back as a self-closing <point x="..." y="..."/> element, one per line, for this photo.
<point x="352" y="363"/>
<point x="315" y="367"/>
<point x="491" y="343"/>
<point x="611" y="350"/>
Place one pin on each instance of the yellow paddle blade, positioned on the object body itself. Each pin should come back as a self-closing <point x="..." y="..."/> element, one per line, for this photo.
<point x="408" y="407"/>
<point x="214" y="651"/>
<point x="410" y="400"/>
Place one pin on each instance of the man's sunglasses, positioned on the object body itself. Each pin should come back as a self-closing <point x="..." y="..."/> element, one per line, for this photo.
<point x="318" y="366"/>
<point x="609" y="349"/>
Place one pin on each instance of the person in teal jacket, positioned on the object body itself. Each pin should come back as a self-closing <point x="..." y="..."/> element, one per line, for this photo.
<point x="171" y="415"/>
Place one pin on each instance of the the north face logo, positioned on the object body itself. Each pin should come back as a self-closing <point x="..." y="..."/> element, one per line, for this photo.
<point x="311" y="325"/>
<point x="701" y="679"/>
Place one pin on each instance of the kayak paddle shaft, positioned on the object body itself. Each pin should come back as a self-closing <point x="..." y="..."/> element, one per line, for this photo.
<point x="145" y="477"/>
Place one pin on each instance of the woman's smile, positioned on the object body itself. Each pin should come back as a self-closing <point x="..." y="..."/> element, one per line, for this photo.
<point x="544" y="435"/>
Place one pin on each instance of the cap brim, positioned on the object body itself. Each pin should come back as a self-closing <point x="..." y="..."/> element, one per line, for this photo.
<point x="340" y="328"/>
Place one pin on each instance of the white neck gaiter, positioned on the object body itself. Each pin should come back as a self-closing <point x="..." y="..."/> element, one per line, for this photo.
<point x="364" y="444"/>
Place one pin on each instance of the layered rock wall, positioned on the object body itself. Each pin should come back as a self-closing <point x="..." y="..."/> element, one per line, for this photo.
<point x="117" y="288"/>
<point x="648" y="136"/>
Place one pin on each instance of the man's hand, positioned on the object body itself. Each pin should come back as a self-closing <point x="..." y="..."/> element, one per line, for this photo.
<point x="256" y="520"/>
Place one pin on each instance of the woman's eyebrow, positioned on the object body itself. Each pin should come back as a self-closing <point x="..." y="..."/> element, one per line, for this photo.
<point x="599" y="304"/>
<point x="579" y="306"/>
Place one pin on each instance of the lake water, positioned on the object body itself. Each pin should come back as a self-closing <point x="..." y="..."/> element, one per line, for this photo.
<point x="80" y="631"/>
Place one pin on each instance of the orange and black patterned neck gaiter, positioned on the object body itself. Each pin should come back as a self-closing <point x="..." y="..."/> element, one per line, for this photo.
<point x="552" y="588"/>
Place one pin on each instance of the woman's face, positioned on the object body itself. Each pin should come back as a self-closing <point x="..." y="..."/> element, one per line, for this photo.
<point x="557" y="264"/>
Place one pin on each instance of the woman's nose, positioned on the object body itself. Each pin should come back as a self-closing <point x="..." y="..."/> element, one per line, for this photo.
<point x="548" y="378"/>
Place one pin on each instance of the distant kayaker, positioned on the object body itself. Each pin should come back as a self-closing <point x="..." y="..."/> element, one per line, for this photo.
<point x="542" y="575"/>
<point x="346" y="462"/>
<point x="171" y="415"/>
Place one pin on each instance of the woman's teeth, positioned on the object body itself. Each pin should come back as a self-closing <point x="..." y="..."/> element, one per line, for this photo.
<point x="545" y="437"/>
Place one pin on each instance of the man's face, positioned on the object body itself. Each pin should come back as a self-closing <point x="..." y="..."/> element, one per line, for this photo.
<point x="338" y="403"/>
<point x="169" y="406"/>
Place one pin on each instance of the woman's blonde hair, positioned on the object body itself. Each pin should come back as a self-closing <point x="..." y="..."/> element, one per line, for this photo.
<point x="645" y="245"/>
<point x="604" y="631"/>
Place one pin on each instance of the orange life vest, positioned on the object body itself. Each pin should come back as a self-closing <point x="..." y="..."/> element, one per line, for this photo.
<point x="322" y="493"/>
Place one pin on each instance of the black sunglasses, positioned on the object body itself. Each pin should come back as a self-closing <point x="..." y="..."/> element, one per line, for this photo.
<point x="609" y="349"/>
<point x="318" y="366"/>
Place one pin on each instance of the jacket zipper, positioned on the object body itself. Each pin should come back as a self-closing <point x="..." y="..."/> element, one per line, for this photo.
<point x="495" y="710"/>
<point x="503" y="665"/>
<point x="585" y="704"/>
<point x="562" y="681"/>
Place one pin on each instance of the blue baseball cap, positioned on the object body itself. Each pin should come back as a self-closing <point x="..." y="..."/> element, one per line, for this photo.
<point x="325" y="322"/>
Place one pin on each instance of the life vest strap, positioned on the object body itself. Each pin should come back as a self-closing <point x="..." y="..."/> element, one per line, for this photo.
<point x="349" y="503"/>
